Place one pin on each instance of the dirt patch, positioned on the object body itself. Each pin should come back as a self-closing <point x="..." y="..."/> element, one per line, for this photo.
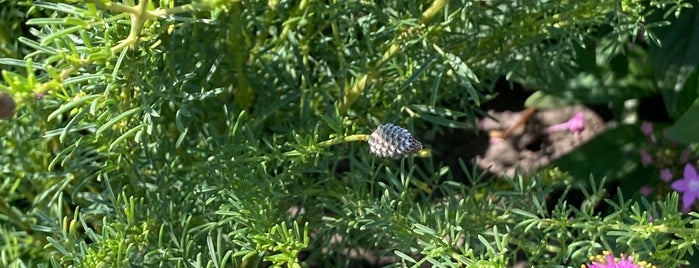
<point x="529" y="144"/>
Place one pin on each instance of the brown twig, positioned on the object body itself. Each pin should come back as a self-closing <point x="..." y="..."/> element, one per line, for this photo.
<point x="528" y="113"/>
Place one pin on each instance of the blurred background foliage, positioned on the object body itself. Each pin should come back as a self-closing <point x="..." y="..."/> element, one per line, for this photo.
<point x="170" y="133"/>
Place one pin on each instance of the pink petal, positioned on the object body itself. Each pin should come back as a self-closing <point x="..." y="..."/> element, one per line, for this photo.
<point x="647" y="128"/>
<point x="556" y="128"/>
<point x="646" y="158"/>
<point x="666" y="174"/>
<point x="689" y="172"/>
<point x="577" y="123"/>
<point x="610" y="259"/>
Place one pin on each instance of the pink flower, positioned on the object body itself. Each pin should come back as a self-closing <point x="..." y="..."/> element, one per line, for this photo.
<point x="608" y="261"/>
<point x="646" y="158"/>
<point x="645" y="190"/>
<point x="575" y="124"/>
<point x="647" y="128"/>
<point x="688" y="186"/>
<point x="666" y="174"/>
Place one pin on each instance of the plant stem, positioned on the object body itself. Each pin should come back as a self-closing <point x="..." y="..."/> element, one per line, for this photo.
<point x="338" y="140"/>
<point x="358" y="86"/>
<point x="436" y="6"/>
<point x="334" y="141"/>
<point x="139" y="16"/>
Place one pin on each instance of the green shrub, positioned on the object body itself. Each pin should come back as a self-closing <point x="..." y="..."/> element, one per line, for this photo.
<point x="231" y="133"/>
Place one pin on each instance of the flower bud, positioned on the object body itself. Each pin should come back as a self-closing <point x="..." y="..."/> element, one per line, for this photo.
<point x="389" y="140"/>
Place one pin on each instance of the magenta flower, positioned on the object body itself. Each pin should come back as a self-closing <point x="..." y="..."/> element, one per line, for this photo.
<point x="645" y="190"/>
<point x="688" y="186"/>
<point x="646" y="158"/>
<point x="647" y="128"/>
<point x="608" y="261"/>
<point x="666" y="174"/>
<point x="575" y="124"/>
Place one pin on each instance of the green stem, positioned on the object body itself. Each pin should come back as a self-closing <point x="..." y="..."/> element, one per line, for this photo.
<point x="350" y="138"/>
<point x="244" y="91"/>
<point x="139" y="16"/>
<point x="330" y="142"/>
<point x="180" y="9"/>
<point x="357" y="88"/>
<point x="303" y="5"/>
<point x="432" y="11"/>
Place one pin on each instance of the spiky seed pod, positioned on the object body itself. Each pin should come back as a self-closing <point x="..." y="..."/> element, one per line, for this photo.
<point x="389" y="140"/>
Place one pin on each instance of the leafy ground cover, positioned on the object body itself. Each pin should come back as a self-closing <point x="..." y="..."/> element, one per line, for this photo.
<point x="349" y="133"/>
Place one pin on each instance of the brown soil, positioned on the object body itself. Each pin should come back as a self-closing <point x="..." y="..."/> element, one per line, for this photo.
<point x="528" y="147"/>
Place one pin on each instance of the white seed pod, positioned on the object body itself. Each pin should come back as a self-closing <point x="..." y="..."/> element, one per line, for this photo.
<point x="389" y="140"/>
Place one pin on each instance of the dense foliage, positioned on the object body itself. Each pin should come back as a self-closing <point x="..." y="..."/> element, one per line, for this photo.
<point x="233" y="133"/>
